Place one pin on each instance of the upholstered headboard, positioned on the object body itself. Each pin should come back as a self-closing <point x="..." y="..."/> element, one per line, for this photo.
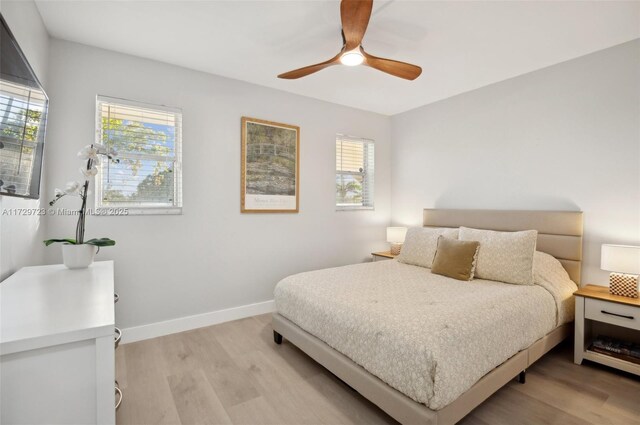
<point x="559" y="232"/>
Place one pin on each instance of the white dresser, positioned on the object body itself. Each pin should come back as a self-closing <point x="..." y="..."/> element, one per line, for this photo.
<point x="57" y="360"/>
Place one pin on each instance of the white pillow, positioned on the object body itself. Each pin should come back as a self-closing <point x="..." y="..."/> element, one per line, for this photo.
<point x="549" y="273"/>
<point x="421" y="243"/>
<point x="547" y="268"/>
<point x="504" y="256"/>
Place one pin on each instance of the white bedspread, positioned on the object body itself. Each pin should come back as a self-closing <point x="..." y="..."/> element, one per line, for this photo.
<point x="428" y="336"/>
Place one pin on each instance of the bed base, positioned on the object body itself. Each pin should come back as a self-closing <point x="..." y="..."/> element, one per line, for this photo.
<point x="393" y="402"/>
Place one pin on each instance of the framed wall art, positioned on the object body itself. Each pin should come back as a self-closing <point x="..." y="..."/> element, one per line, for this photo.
<point x="270" y="179"/>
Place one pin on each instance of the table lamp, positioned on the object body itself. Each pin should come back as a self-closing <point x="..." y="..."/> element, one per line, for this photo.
<point x="623" y="261"/>
<point x="395" y="236"/>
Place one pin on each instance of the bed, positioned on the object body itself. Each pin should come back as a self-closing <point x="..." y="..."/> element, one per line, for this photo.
<point x="370" y="331"/>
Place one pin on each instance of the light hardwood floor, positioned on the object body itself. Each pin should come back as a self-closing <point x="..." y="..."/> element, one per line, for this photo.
<point x="233" y="373"/>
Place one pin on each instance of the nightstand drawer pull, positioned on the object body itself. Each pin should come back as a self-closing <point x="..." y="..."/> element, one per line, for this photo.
<point x="616" y="314"/>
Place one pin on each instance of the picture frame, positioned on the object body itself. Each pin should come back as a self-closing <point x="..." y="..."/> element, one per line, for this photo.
<point x="270" y="167"/>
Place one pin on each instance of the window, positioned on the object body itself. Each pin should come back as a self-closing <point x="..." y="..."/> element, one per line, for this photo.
<point x="148" y="139"/>
<point x="354" y="173"/>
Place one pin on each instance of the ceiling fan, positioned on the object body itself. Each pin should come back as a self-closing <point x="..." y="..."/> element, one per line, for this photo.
<point x="355" y="16"/>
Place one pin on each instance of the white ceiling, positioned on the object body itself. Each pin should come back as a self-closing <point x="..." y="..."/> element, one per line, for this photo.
<point x="461" y="46"/>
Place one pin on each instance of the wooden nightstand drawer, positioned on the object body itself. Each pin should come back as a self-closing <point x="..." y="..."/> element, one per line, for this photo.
<point x="614" y="313"/>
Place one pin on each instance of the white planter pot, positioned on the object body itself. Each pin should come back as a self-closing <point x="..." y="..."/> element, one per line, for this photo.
<point x="78" y="256"/>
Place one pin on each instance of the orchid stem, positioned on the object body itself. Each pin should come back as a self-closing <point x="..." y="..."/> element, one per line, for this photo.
<point x="83" y="209"/>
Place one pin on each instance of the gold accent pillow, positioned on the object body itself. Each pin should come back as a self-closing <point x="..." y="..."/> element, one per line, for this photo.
<point x="455" y="259"/>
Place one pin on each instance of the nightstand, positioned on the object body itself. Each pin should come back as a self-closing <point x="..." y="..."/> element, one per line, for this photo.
<point x="600" y="313"/>
<point x="379" y="256"/>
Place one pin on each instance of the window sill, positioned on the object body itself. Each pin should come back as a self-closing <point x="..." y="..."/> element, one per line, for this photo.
<point x="355" y="208"/>
<point x="127" y="211"/>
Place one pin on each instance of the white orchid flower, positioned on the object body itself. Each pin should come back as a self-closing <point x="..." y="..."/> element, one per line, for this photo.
<point x="90" y="172"/>
<point x="72" y="188"/>
<point x="88" y="152"/>
<point x="100" y="147"/>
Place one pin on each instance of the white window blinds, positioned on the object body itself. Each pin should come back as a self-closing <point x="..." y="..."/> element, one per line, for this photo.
<point x="148" y="139"/>
<point x="355" y="161"/>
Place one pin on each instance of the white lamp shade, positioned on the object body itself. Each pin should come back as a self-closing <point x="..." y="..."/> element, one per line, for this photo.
<point x="396" y="234"/>
<point x="620" y="258"/>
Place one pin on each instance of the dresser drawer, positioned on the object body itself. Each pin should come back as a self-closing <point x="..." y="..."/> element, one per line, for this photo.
<point x="609" y="312"/>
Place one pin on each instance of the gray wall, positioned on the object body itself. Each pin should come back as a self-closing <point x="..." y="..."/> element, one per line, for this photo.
<point x="211" y="257"/>
<point x="566" y="137"/>
<point x="21" y="236"/>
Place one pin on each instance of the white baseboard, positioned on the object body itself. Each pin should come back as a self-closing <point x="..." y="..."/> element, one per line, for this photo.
<point x="152" y="330"/>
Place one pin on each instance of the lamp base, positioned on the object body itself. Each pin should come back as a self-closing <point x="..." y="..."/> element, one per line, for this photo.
<point x="395" y="248"/>
<point x="622" y="284"/>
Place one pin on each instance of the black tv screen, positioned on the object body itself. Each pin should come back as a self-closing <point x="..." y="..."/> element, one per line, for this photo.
<point x="23" y="117"/>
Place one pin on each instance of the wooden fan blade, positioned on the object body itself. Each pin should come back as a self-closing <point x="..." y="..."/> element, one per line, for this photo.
<point x="395" y="68"/>
<point x="307" y="70"/>
<point x="355" y="16"/>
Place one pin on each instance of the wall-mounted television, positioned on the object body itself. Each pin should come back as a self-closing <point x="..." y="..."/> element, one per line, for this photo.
<point x="23" y="117"/>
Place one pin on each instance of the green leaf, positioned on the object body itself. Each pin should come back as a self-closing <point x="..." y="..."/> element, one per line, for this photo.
<point x="101" y="242"/>
<point x="51" y="241"/>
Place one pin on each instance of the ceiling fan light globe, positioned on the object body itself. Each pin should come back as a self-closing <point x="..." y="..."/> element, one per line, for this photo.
<point x="353" y="58"/>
